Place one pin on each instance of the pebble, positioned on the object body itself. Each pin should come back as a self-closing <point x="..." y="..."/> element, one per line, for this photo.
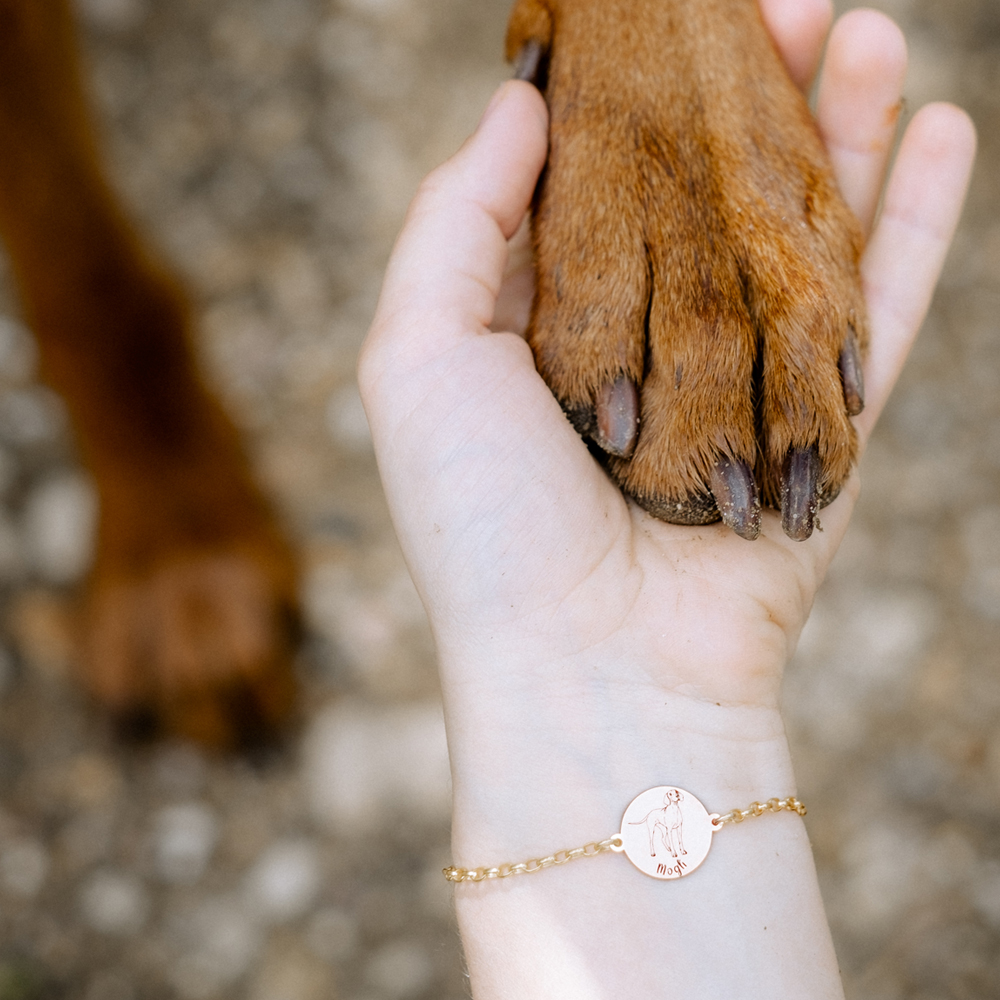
<point x="400" y="969"/>
<point x="218" y="939"/>
<point x="60" y="521"/>
<point x="285" y="880"/>
<point x="32" y="417"/>
<point x="12" y="561"/>
<point x="882" y="862"/>
<point x="180" y="769"/>
<point x="18" y="351"/>
<point x="291" y="972"/>
<point x="367" y="763"/>
<point x="332" y="934"/>
<point x="184" y="837"/>
<point x="24" y="865"/>
<point x="114" y="902"/>
<point x="113" y="15"/>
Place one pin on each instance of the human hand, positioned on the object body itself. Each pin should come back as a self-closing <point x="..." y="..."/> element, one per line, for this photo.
<point x="522" y="549"/>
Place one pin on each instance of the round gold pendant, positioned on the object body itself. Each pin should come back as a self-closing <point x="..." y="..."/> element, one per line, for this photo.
<point x="666" y="832"/>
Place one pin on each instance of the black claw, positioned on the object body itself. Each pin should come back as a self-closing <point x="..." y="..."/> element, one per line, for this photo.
<point x="617" y="417"/>
<point x="852" y="375"/>
<point x="530" y="63"/>
<point x="800" y="493"/>
<point x="736" y="497"/>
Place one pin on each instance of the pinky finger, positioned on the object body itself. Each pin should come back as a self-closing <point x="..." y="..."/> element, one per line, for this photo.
<point x="907" y="249"/>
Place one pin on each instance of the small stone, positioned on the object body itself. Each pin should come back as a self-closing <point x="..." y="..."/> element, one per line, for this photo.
<point x="6" y="669"/>
<point x="218" y="940"/>
<point x="114" y="903"/>
<point x="285" y="880"/>
<point x="92" y="780"/>
<point x="332" y="934"/>
<point x="112" y="15"/>
<point x="41" y="625"/>
<point x="400" y="969"/>
<point x="60" y="521"/>
<point x="110" y="985"/>
<point x="32" y="416"/>
<point x="180" y="769"/>
<point x="12" y="561"/>
<point x="289" y="972"/>
<point x="365" y="764"/>
<point x="24" y="865"/>
<point x="18" y="351"/>
<point x="87" y="838"/>
<point x="184" y="838"/>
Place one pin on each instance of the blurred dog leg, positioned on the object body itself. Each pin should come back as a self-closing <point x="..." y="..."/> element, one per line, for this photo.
<point x="190" y="609"/>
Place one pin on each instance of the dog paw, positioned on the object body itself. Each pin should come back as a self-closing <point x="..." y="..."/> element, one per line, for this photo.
<point x="698" y="310"/>
<point x="193" y="636"/>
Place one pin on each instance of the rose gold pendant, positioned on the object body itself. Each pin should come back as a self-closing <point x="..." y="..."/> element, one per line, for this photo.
<point x="666" y="832"/>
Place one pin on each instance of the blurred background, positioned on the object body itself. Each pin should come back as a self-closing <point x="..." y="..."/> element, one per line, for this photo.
<point x="270" y="148"/>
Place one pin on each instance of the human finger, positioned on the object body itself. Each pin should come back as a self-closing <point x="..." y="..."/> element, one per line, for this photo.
<point x="798" y="28"/>
<point x="858" y="105"/>
<point x="907" y="249"/>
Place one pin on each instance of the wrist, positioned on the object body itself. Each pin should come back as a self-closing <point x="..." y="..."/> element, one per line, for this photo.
<point x="559" y="772"/>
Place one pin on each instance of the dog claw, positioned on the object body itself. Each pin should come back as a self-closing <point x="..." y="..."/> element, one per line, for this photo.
<point x="529" y="65"/>
<point x="852" y="375"/>
<point x="735" y="492"/>
<point x="617" y="417"/>
<point x="800" y="493"/>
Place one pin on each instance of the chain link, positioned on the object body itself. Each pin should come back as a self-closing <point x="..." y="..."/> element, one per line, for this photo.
<point x="590" y="850"/>
<point x="792" y="804"/>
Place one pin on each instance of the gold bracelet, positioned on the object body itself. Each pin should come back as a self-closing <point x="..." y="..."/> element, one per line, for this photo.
<point x="664" y="819"/>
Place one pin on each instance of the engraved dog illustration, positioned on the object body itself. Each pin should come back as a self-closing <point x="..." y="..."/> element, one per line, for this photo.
<point x="665" y="824"/>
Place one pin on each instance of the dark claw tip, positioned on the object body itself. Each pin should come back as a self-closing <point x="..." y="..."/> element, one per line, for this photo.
<point x="735" y="492"/>
<point x="617" y="417"/>
<point x="852" y="376"/>
<point x="529" y="63"/>
<point x="800" y="493"/>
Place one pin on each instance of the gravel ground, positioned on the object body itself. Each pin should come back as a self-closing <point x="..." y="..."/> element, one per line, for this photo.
<point x="270" y="147"/>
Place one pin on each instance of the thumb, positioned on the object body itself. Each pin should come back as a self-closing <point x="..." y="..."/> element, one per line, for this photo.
<point x="446" y="269"/>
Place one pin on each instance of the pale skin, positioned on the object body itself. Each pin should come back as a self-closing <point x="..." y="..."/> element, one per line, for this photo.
<point x="587" y="651"/>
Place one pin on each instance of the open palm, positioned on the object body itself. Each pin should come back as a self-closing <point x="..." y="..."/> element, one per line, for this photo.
<point x="537" y="574"/>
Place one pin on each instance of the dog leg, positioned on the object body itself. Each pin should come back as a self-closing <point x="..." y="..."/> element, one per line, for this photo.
<point x="190" y="605"/>
<point x="698" y="310"/>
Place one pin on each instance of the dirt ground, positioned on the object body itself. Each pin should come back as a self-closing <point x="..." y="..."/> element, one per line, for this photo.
<point x="270" y="148"/>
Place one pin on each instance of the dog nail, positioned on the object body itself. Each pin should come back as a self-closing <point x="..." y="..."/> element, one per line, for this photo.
<point x="617" y="417"/>
<point x="529" y="62"/>
<point x="800" y="493"/>
<point x="852" y="375"/>
<point x="736" y="497"/>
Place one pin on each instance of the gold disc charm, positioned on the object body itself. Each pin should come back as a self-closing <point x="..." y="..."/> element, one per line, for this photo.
<point x="666" y="832"/>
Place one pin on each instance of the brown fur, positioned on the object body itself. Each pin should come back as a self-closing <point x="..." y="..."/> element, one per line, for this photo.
<point x="190" y="603"/>
<point x="689" y="236"/>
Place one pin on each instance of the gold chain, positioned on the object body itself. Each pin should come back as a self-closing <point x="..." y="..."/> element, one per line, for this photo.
<point x="792" y="804"/>
<point x="591" y="850"/>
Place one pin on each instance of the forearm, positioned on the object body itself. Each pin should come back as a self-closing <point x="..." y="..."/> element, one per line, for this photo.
<point x="749" y="922"/>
